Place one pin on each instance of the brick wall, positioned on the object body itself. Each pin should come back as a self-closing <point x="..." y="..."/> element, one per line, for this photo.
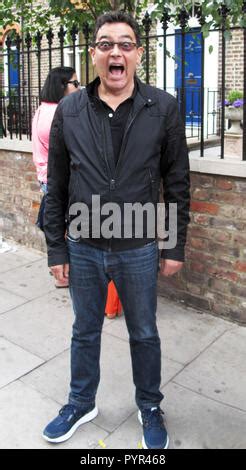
<point x="214" y="276"/>
<point x="234" y="62"/>
<point x="19" y="199"/>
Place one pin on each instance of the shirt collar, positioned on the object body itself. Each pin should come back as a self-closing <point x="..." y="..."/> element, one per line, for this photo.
<point x="92" y="89"/>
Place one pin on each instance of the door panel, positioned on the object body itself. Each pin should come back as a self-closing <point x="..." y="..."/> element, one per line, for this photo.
<point x="192" y="74"/>
<point x="13" y="69"/>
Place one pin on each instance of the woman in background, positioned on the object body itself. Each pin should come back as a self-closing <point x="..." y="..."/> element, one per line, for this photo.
<point x="61" y="81"/>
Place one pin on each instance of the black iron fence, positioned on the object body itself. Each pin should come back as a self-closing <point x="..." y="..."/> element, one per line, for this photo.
<point x="174" y="61"/>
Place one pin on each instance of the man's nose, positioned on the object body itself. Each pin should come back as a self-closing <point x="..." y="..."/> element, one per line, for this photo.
<point x="116" y="50"/>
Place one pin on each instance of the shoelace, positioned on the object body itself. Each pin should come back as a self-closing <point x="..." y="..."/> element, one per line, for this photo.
<point x="67" y="410"/>
<point x="153" y="418"/>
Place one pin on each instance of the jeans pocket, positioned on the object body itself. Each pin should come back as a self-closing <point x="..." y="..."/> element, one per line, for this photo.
<point x="73" y="240"/>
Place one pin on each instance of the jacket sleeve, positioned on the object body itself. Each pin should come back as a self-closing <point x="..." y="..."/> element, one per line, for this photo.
<point x="57" y="196"/>
<point x="176" y="180"/>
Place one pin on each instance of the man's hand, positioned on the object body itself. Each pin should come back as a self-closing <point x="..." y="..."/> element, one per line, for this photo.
<point x="170" y="267"/>
<point x="60" y="272"/>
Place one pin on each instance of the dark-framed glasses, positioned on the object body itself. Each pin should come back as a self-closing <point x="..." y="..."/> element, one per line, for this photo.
<point x="74" y="82"/>
<point x="105" y="46"/>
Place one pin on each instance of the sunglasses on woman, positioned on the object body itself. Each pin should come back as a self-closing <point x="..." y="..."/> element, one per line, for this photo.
<point x="74" y="82"/>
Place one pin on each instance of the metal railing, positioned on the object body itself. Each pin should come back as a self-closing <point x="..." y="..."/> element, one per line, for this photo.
<point x="201" y="107"/>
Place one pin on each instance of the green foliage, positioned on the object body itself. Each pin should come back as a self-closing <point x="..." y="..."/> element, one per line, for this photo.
<point x="33" y="16"/>
<point x="26" y="13"/>
<point x="210" y="11"/>
<point x="234" y="95"/>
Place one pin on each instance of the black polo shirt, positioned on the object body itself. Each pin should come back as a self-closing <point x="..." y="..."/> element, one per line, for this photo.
<point x="117" y="118"/>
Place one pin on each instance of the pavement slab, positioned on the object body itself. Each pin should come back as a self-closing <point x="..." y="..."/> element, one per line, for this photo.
<point x="197" y="422"/>
<point x="30" y="281"/>
<point x="42" y="326"/>
<point x="14" y="256"/>
<point x="9" y="300"/>
<point x="220" y="371"/>
<point x="15" y="362"/>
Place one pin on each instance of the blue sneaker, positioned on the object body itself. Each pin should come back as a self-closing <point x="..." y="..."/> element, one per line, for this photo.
<point x="69" y="419"/>
<point x="154" y="432"/>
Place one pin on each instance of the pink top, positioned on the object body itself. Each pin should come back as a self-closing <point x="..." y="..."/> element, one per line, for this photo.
<point x="41" y="125"/>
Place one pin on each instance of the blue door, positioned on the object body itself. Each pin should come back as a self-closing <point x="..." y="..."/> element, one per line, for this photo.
<point x="13" y="73"/>
<point x="192" y="74"/>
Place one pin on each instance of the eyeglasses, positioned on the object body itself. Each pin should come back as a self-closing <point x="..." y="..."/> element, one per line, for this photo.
<point x="106" y="46"/>
<point x="74" y="82"/>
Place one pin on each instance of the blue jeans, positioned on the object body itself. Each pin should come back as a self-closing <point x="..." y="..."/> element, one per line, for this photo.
<point x="134" y="273"/>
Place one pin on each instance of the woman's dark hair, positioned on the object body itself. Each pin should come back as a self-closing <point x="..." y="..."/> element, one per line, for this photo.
<point x="117" y="17"/>
<point x="55" y="84"/>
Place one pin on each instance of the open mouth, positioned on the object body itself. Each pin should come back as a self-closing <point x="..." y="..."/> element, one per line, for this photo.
<point x="116" y="70"/>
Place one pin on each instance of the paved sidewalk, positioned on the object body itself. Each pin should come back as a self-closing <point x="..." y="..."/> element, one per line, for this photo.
<point x="204" y="368"/>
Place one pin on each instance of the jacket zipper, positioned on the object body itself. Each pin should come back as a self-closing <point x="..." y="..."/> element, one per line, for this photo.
<point x="113" y="180"/>
<point x="104" y="148"/>
<point x="123" y="145"/>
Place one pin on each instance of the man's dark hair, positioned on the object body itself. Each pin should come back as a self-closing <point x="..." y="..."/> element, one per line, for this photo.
<point x="117" y="17"/>
<point x="55" y="84"/>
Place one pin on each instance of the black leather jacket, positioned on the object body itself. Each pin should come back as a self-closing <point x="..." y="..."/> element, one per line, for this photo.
<point x="81" y="164"/>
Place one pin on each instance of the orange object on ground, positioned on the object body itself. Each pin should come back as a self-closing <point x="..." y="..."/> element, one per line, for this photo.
<point x="113" y="304"/>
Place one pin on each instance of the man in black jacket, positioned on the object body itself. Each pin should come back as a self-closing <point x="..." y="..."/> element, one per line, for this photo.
<point x="110" y="146"/>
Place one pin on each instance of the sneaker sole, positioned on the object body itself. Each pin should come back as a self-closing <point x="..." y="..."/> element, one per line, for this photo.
<point x="140" y="417"/>
<point x="143" y="440"/>
<point x="85" y="419"/>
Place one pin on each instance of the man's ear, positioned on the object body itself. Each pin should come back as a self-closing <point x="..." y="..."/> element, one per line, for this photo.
<point x="92" y="54"/>
<point x="140" y="52"/>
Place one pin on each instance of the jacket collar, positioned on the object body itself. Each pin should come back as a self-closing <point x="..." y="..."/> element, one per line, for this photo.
<point x="147" y="92"/>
